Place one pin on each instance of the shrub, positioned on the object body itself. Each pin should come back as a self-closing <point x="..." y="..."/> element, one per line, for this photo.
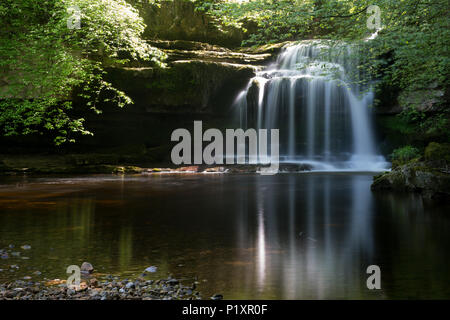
<point x="404" y="154"/>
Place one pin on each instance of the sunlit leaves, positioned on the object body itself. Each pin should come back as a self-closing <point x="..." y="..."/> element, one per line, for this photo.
<point x="42" y="61"/>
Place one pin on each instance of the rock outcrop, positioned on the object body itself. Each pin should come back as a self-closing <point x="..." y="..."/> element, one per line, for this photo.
<point x="429" y="175"/>
<point x="199" y="77"/>
<point x="179" y="19"/>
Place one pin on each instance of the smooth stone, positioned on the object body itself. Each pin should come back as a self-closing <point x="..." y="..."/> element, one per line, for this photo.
<point x="86" y="267"/>
<point x="173" y="282"/>
<point x="217" y="297"/>
<point x="151" y="269"/>
<point x="93" y="282"/>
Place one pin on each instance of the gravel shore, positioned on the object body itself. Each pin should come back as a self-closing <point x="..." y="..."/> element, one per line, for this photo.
<point x="92" y="289"/>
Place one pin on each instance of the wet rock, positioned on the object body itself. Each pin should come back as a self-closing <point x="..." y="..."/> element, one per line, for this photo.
<point x="419" y="177"/>
<point x="4" y="255"/>
<point x="26" y="247"/>
<point x="87" y="268"/>
<point x="215" y="169"/>
<point x="151" y="269"/>
<point x="217" y="297"/>
<point x="82" y="287"/>
<point x="138" y="289"/>
<point x="173" y="282"/>
<point x="93" y="282"/>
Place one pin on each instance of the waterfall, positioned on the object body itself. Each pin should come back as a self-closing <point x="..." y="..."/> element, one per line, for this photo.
<point x="312" y="94"/>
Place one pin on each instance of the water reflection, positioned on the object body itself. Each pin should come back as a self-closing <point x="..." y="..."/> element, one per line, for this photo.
<point x="284" y="237"/>
<point x="314" y="235"/>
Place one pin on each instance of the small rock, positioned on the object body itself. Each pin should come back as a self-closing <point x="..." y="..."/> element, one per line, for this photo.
<point x="129" y="285"/>
<point x="37" y="273"/>
<point x="217" y="297"/>
<point x="15" y="254"/>
<point x="83" y="286"/>
<point x="93" y="282"/>
<point x="151" y="269"/>
<point x="27" y="278"/>
<point x="86" y="267"/>
<point x="173" y="282"/>
<point x="11" y="246"/>
<point x="4" y="256"/>
<point x="26" y="247"/>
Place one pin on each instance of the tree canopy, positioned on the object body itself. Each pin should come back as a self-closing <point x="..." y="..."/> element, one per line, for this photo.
<point x="44" y="56"/>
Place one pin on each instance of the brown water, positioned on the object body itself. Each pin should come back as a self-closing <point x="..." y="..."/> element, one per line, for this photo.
<point x="289" y="236"/>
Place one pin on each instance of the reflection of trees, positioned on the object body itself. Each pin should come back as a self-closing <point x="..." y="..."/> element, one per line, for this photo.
<point x="125" y="247"/>
<point x="414" y="246"/>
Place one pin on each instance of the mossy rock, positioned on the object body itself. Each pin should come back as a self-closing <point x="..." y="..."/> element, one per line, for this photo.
<point x="187" y="86"/>
<point x="415" y="177"/>
<point x="438" y="152"/>
<point x="178" y="20"/>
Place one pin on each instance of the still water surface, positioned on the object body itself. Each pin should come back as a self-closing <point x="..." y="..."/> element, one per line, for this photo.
<point x="289" y="236"/>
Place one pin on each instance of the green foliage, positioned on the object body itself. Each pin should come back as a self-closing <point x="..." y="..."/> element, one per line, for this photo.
<point x="410" y="51"/>
<point x="438" y="151"/>
<point x="43" y="61"/>
<point x="404" y="154"/>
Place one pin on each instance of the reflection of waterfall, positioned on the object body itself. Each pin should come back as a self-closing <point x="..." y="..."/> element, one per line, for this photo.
<point x="327" y="238"/>
<point x="323" y="118"/>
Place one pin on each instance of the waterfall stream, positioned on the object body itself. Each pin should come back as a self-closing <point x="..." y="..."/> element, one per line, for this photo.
<point x="311" y="94"/>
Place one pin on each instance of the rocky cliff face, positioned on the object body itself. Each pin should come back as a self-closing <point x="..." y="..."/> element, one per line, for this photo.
<point x="199" y="78"/>
<point x="178" y="19"/>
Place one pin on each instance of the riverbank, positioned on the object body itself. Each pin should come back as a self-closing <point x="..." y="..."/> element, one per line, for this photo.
<point x="138" y="289"/>
<point x="95" y="286"/>
<point x="112" y="164"/>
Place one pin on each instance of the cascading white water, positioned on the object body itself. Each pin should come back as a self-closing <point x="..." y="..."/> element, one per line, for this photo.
<point x="323" y="117"/>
